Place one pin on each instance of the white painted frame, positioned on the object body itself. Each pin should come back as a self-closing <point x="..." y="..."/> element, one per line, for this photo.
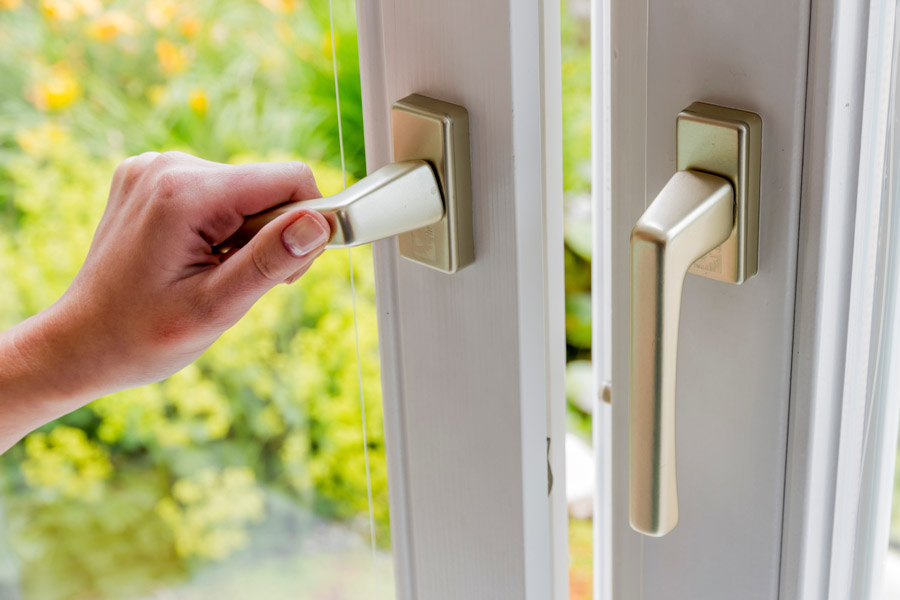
<point x="473" y="363"/>
<point x="735" y="346"/>
<point x="833" y="475"/>
<point x="829" y="502"/>
<point x="601" y="296"/>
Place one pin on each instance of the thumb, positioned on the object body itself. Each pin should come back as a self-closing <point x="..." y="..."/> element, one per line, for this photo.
<point x="282" y="248"/>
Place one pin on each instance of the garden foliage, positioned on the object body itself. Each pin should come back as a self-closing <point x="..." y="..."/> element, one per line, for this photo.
<point x="140" y="488"/>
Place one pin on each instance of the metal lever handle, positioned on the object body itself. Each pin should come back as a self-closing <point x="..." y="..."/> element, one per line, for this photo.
<point x="693" y="214"/>
<point x="396" y="198"/>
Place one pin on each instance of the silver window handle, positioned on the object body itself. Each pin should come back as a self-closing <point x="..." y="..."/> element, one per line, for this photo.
<point x="425" y="196"/>
<point x="396" y="198"/>
<point x="704" y="221"/>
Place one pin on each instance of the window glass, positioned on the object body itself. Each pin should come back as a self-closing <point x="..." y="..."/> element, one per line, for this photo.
<point x="243" y="475"/>
<point x="576" y="104"/>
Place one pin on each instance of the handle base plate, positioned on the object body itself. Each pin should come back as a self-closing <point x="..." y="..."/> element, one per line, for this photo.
<point x="436" y="131"/>
<point x="726" y="142"/>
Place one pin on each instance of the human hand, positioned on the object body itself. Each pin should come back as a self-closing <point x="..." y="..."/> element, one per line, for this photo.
<point x="152" y="295"/>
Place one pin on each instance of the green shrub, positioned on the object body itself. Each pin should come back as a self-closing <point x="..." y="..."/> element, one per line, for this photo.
<point x="182" y="465"/>
<point x="140" y="488"/>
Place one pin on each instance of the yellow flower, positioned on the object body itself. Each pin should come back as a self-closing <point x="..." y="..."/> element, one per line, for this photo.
<point x="198" y="102"/>
<point x="189" y="25"/>
<point x="284" y="32"/>
<point x="58" y="10"/>
<point x="10" y="4"/>
<point x="65" y="461"/>
<point x="172" y="59"/>
<point x="111" y="25"/>
<point x="326" y="44"/>
<point x="280" y="6"/>
<point x="41" y="139"/>
<point x="209" y="511"/>
<point x="156" y="94"/>
<point x="161" y="12"/>
<point x="87" y="7"/>
<point x="68" y="10"/>
<point x="57" y="90"/>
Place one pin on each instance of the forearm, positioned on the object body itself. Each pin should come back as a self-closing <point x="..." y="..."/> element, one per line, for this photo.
<point x="43" y="374"/>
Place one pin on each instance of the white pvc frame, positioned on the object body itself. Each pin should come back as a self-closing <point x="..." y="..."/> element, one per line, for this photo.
<point x="833" y="503"/>
<point x="473" y="363"/>
<point x="601" y="294"/>
<point x="836" y="500"/>
<point x="874" y="303"/>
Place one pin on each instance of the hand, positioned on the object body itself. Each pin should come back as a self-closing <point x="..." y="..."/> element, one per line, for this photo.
<point x="151" y="295"/>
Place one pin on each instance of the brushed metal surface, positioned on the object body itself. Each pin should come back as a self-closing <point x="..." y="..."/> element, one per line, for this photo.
<point x="436" y="131"/>
<point x="726" y="142"/>
<point x="425" y="195"/>
<point x="691" y="215"/>
<point x="395" y="198"/>
<point x="704" y="221"/>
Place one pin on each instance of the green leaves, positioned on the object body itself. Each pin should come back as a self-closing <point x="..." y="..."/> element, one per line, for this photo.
<point x="149" y="484"/>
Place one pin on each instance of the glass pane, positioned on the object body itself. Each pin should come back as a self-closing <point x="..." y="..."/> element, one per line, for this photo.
<point x="243" y="475"/>
<point x="576" y="88"/>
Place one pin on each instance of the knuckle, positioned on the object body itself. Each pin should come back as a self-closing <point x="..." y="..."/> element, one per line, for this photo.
<point x="264" y="265"/>
<point x="167" y="183"/>
<point x="173" y="173"/>
<point x="301" y="171"/>
<point x="133" y="167"/>
<point x="169" y="159"/>
<point x="123" y="167"/>
<point x="301" y="168"/>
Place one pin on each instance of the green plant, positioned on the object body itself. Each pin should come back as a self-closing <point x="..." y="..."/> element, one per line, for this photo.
<point x="139" y="489"/>
<point x="273" y="405"/>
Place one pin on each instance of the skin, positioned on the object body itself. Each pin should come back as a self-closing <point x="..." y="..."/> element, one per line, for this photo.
<point x="151" y="295"/>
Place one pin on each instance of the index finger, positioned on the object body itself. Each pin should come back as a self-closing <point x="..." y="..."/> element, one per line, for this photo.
<point x="252" y="188"/>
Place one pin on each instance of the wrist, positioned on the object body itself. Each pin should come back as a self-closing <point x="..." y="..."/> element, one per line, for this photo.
<point x="49" y="368"/>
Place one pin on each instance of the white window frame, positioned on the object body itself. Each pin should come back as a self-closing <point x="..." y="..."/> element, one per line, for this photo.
<point x="473" y="363"/>
<point x="835" y="496"/>
<point x="831" y="486"/>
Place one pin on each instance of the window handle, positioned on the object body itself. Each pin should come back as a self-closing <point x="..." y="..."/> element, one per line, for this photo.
<point x="704" y="221"/>
<point x="425" y="196"/>
<point x="396" y="198"/>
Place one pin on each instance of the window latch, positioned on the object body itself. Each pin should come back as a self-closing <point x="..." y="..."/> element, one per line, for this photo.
<point x="424" y="196"/>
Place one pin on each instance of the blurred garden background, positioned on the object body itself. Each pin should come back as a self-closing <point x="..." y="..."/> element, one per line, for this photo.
<point x="241" y="476"/>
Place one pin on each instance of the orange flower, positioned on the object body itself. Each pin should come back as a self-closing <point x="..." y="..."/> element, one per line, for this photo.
<point x="41" y="139"/>
<point x="10" y="4"/>
<point x="56" y="10"/>
<point x="57" y="90"/>
<point x="68" y="10"/>
<point x="190" y="25"/>
<point x="161" y="12"/>
<point x="172" y="59"/>
<point x="111" y="25"/>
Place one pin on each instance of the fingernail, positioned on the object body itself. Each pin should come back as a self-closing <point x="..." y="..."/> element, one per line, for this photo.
<point x="304" y="235"/>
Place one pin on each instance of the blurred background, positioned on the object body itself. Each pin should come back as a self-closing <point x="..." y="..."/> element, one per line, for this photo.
<point x="241" y="476"/>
